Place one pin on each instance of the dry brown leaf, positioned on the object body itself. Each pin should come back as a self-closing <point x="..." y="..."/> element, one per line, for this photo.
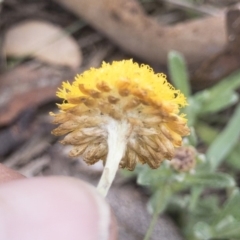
<point x="28" y="85"/>
<point x="34" y="98"/>
<point x="125" y="23"/>
<point x="43" y="40"/>
<point x="226" y="61"/>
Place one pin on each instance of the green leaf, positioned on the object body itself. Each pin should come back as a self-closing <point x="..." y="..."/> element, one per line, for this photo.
<point x="192" y="111"/>
<point x="227" y="229"/>
<point x="157" y="205"/>
<point x="159" y="200"/>
<point x="208" y="205"/>
<point x="224" y="100"/>
<point x="192" y="138"/>
<point x="213" y="180"/>
<point x="203" y="231"/>
<point x="225" y="141"/>
<point x="178" y="72"/>
<point x="230" y="83"/>
<point x="207" y="133"/>
<point x="220" y="96"/>
<point x="233" y="159"/>
<point x="230" y="208"/>
<point x="176" y="202"/>
<point x="195" y="195"/>
<point x="154" y="177"/>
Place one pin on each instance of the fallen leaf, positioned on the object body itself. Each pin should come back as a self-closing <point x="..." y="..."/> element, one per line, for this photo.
<point x="43" y="40"/>
<point x="30" y="99"/>
<point x="125" y="23"/>
<point x="28" y="85"/>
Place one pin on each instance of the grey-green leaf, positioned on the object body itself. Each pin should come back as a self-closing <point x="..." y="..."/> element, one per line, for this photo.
<point x="178" y="72"/>
<point x="227" y="229"/>
<point x="225" y="141"/>
<point x="219" y="96"/>
<point x="231" y="207"/>
<point x="159" y="200"/>
<point x="203" y="231"/>
<point x="213" y="180"/>
<point x="224" y="100"/>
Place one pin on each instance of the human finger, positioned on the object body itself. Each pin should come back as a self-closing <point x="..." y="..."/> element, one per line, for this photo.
<point x="52" y="208"/>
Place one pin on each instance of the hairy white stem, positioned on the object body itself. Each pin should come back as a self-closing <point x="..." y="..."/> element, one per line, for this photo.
<point x="118" y="132"/>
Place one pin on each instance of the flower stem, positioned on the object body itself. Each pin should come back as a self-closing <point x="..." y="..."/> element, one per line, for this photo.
<point x="151" y="226"/>
<point x="117" y="138"/>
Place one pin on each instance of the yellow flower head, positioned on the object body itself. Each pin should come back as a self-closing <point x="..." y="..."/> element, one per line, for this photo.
<point x="121" y="92"/>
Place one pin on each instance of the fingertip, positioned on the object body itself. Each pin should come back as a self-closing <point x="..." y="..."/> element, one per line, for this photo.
<point x="53" y="208"/>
